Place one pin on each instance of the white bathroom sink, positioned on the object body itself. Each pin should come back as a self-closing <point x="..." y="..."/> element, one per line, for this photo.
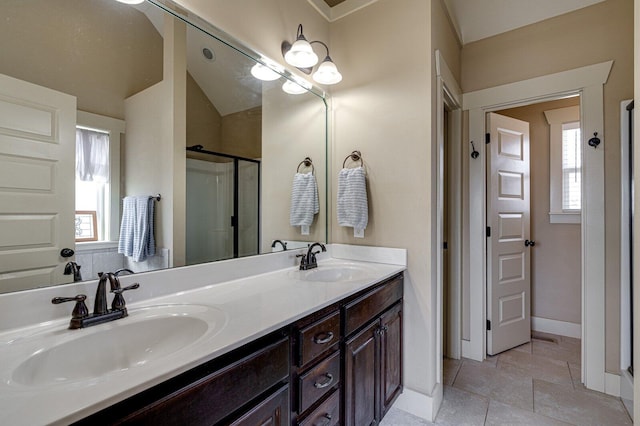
<point x="146" y="335"/>
<point x="334" y="273"/>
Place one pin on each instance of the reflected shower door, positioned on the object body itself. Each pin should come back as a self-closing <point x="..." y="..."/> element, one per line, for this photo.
<point x="248" y="208"/>
<point x="209" y="234"/>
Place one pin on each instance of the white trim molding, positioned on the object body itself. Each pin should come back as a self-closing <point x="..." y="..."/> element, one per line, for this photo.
<point x="588" y="82"/>
<point x="419" y="404"/>
<point x="561" y="328"/>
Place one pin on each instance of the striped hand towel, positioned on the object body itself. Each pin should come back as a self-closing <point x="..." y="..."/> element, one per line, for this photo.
<point x="137" y="229"/>
<point x="352" y="206"/>
<point x="304" y="200"/>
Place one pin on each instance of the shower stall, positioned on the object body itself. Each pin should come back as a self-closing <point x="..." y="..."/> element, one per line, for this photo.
<point x="223" y="207"/>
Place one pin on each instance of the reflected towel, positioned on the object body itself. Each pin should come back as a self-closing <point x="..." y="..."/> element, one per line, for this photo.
<point x="137" y="229"/>
<point x="304" y="199"/>
<point x="352" y="206"/>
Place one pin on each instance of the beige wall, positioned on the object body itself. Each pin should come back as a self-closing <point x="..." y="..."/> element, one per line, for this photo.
<point x="34" y="46"/>
<point x="555" y="260"/>
<point x="203" y="119"/>
<point x="594" y="34"/>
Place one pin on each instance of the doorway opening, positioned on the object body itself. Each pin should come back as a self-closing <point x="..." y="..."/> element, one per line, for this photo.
<point x="534" y="257"/>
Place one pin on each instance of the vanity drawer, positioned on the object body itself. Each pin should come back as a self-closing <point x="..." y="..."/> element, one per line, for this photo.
<point x="318" y="337"/>
<point x="215" y="396"/>
<point x="316" y="382"/>
<point x="368" y="306"/>
<point x="327" y="413"/>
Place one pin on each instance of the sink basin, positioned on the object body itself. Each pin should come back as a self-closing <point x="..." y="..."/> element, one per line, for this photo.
<point x="334" y="273"/>
<point x="147" y="335"/>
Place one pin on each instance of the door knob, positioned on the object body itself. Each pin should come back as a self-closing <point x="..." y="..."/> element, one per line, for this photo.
<point x="66" y="252"/>
<point x="529" y="243"/>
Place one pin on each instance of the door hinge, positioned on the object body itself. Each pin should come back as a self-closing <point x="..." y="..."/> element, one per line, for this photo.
<point x="234" y="221"/>
<point x="488" y="231"/>
<point x="487" y="138"/>
<point x="445" y="246"/>
<point x="488" y="325"/>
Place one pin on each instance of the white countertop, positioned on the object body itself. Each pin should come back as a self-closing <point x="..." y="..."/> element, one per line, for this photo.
<point x="252" y="306"/>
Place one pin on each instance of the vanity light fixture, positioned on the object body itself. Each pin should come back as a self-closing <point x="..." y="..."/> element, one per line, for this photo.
<point x="131" y="1"/>
<point x="293" y="88"/>
<point x="264" y="73"/>
<point x="300" y="54"/>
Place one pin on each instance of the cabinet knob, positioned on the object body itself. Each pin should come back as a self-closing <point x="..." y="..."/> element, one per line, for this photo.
<point x="326" y="420"/>
<point x="322" y="338"/>
<point x="326" y="383"/>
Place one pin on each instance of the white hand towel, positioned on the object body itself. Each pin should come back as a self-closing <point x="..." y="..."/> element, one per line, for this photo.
<point x="137" y="229"/>
<point x="304" y="200"/>
<point x="352" y="206"/>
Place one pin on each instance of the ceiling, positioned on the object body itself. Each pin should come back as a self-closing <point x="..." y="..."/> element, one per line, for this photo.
<point x="473" y="19"/>
<point x="478" y="19"/>
<point x="218" y="78"/>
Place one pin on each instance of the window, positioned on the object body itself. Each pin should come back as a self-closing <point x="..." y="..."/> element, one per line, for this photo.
<point x="97" y="181"/>
<point x="92" y="180"/>
<point x="565" y="165"/>
<point x="571" y="167"/>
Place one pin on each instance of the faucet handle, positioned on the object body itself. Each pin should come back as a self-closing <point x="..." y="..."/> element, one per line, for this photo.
<point x="118" y="303"/>
<point x="80" y="310"/>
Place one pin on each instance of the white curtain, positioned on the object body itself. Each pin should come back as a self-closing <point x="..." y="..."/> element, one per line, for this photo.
<point x="92" y="155"/>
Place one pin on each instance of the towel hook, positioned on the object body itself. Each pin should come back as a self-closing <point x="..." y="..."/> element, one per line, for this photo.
<point x="307" y="162"/>
<point x="355" y="156"/>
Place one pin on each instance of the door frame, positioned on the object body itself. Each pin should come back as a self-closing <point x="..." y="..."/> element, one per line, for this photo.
<point x="588" y="82"/>
<point x="448" y="93"/>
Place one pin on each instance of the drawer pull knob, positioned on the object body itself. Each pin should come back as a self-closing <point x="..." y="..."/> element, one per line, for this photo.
<point x="326" y="383"/>
<point x="322" y="338"/>
<point x="326" y="420"/>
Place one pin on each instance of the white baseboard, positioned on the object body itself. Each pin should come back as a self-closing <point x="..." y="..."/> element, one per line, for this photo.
<point x="562" y="328"/>
<point x="471" y="352"/>
<point x="419" y="404"/>
<point x="611" y="384"/>
<point x="626" y="391"/>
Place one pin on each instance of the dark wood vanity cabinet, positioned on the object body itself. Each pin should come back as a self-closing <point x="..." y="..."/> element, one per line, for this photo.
<point x="248" y="386"/>
<point x="373" y="354"/>
<point x="341" y="365"/>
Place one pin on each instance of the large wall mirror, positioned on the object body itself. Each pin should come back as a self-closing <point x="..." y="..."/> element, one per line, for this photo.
<point x="105" y="105"/>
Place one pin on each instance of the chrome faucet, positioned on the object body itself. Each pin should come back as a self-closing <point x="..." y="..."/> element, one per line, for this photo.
<point x="308" y="260"/>
<point x="80" y="317"/>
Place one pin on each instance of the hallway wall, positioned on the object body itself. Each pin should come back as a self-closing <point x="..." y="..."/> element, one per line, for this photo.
<point x="555" y="259"/>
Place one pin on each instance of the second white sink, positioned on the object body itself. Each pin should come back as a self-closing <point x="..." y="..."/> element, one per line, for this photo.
<point x="334" y="273"/>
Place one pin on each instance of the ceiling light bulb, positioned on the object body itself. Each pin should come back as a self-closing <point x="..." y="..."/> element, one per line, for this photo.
<point x="131" y="1"/>
<point x="327" y="73"/>
<point x="301" y="55"/>
<point x="293" y="88"/>
<point x="264" y="73"/>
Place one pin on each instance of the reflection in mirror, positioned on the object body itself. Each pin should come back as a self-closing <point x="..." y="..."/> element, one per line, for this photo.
<point x="128" y="91"/>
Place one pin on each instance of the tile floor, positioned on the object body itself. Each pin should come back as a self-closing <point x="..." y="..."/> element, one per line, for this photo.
<point x="537" y="383"/>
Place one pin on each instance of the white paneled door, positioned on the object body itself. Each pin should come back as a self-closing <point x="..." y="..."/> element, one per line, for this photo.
<point x="37" y="163"/>
<point x="508" y="242"/>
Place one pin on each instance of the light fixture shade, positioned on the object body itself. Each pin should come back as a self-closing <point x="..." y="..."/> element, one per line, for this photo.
<point x="292" y="88"/>
<point x="264" y="73"/>
<point x="301" y="55"/>
<point x="327" y="73"/>
<point x="131" y="1"/>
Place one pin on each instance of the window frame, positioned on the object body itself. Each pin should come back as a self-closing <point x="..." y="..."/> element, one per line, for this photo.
<point x="556" y="118"/>
<point x="115" y="128"/>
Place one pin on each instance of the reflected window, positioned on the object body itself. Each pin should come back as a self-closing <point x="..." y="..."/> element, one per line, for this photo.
<point x="92" y="181"/>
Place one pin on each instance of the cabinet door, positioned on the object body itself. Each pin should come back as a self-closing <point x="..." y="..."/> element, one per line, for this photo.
<point x="390" y="357"/>
<point x="273" y="411"/>
<point x="361" y="382"/>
